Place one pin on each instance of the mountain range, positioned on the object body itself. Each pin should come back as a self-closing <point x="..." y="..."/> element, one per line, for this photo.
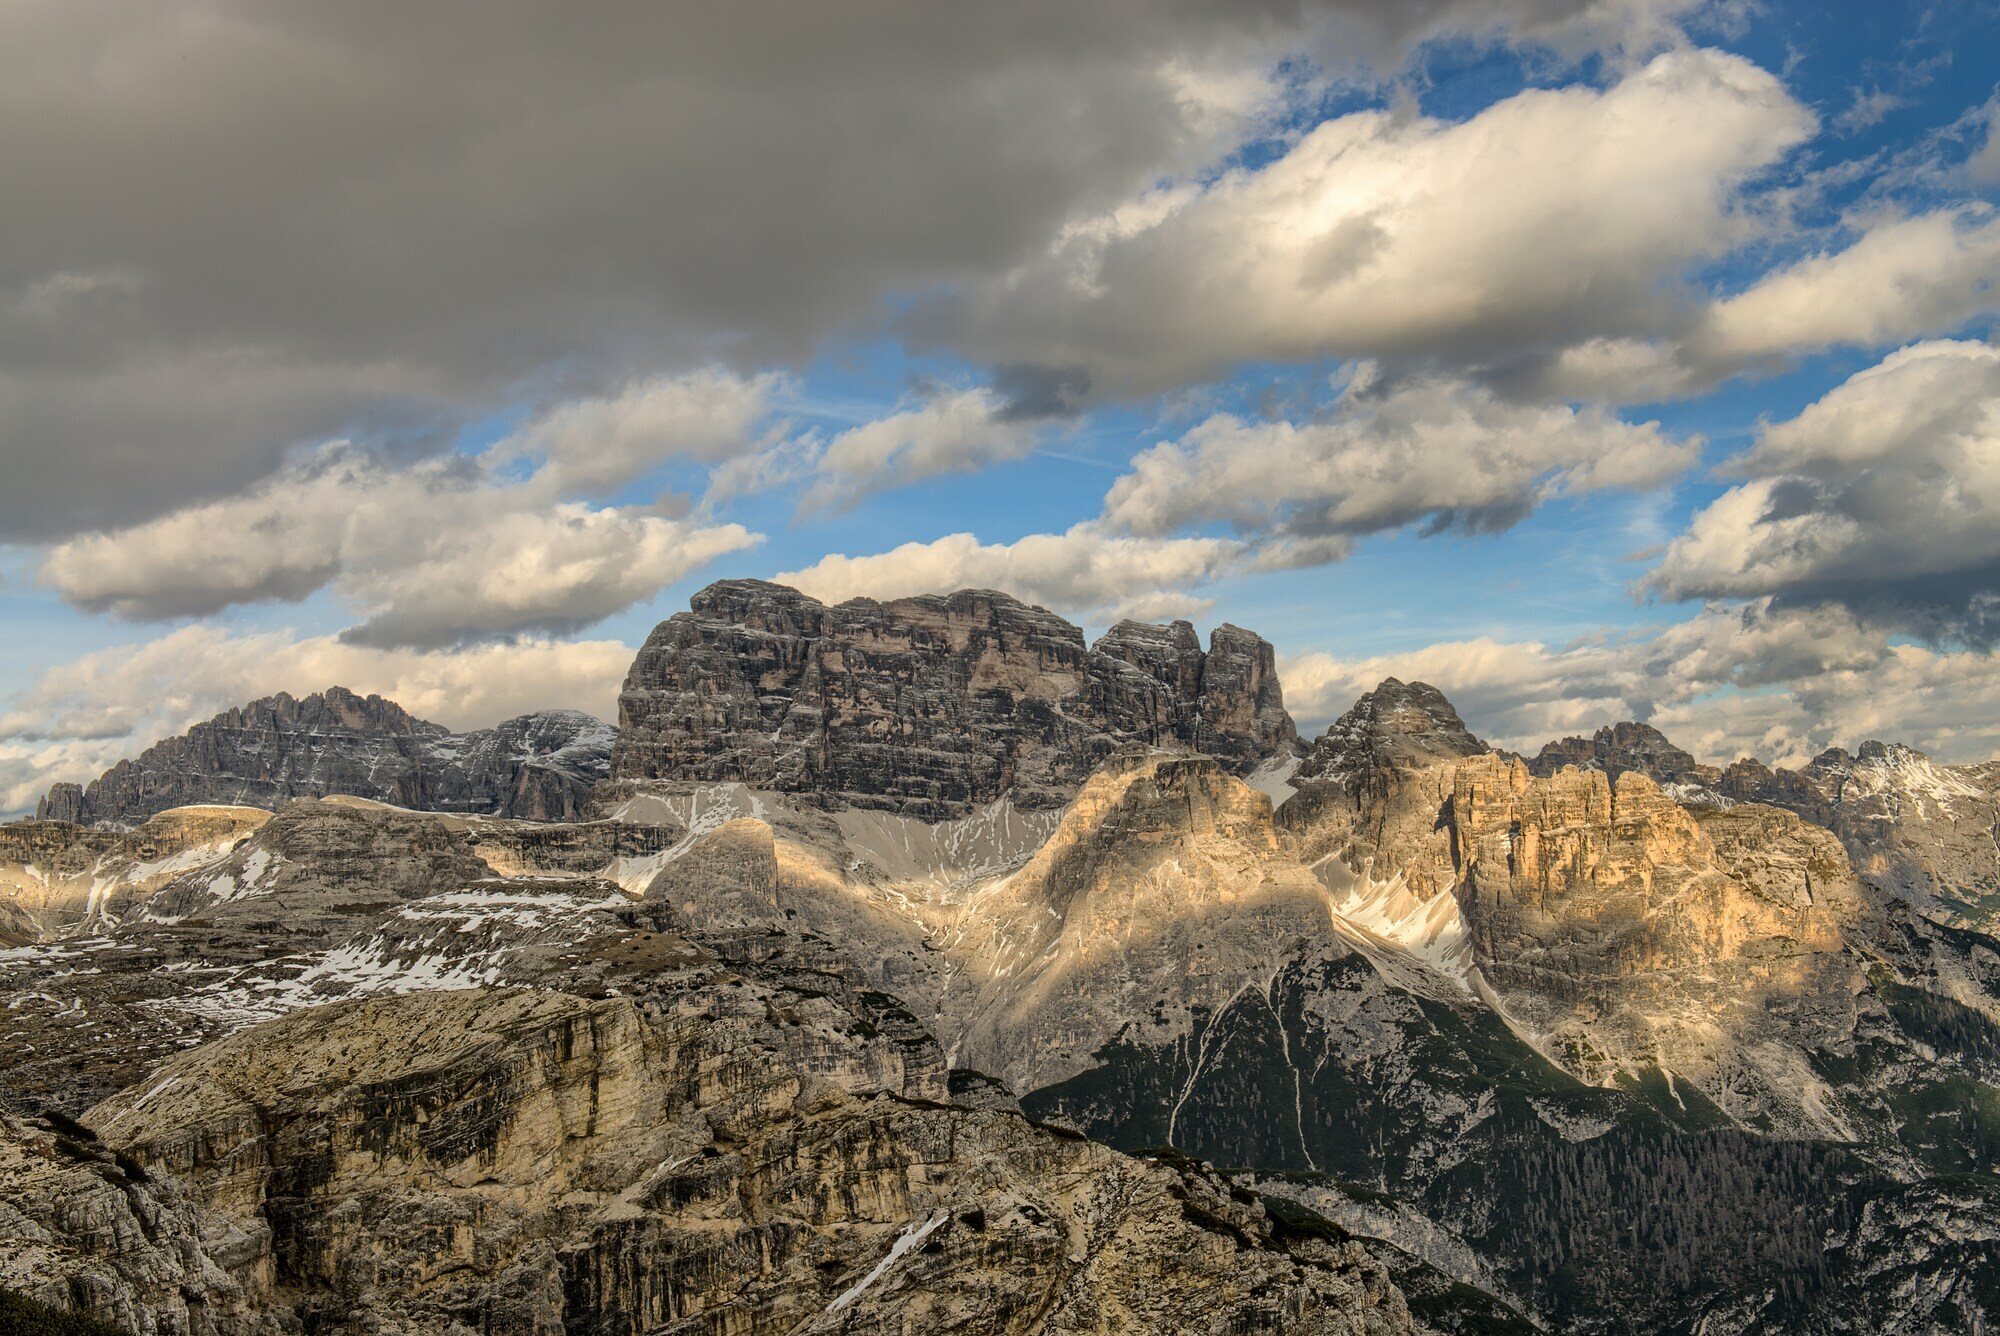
<point x="913" y="962"/>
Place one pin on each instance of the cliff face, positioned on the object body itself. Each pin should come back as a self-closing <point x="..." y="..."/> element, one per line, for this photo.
<point x="1914" y="829"/>
<point x="928" y="706"/>
<point x="540" y="766"/>
<point x="693" y="1161"/>
<point x="1630" y="933"/>
<point x="1371" y="789"/>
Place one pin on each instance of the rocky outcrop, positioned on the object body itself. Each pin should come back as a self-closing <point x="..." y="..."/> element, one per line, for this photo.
<point x="1626" y="746"/>
<point x="63" y="802"/>
<point x="264" y="754"/>
<point x="59" y="878"/>
<point x="1631" y="933"/>
<point x="535" y="1162"/>
<point x="928" y="706"/>
<point x="1370" y="794"/>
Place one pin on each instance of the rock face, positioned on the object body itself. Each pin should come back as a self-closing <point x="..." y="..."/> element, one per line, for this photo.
<point x="540" y="766"/>
<point x="1630" y="934"/>
<point x="928" y="706"/>
<point x="1916" y="830"/>
<point x="58" y="878"/>
<point x="1626" y="746"/>
<point x="513" y="1162"/>
<point x="1372" y="786"/>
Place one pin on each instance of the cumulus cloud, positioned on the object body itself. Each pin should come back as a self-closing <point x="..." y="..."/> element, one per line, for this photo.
<point x="1382" y="233"/>
<point x="431" y="554"/>
<point x="238" y="226"/>
<point x="1085" y="571"/>
<point x="1781" y="684"/>
<point x="1442" y="453"/>
<point x="83" y="716"/>
<point x="1902" y="278"/>
<point x="594" y="446"/>
<point x="1883" y="496"/>
<point x="956" y="432"/>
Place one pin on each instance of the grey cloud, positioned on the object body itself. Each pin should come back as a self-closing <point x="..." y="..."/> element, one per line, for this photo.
<point x="1882" y="498"/>
<point x="234" y="227"/>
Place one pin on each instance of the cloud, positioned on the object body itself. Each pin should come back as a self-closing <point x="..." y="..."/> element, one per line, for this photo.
<point x="1442" y="453"/>
<point x="958" y="432"/>
<point x="1084" y="572"/>
<point x="235" y="227"/>
<point x="1984" y="165"/>
<point x="1869" y="108"/>
<point x="433" y="553"/>
<point x="595" y="446"/>
<point x="1386" y="234"/>
<point x="83" y="716"/>
<point x="1754" y="680"/>
<point x="1883" y="497"/>
<point x="1901" y="279"/>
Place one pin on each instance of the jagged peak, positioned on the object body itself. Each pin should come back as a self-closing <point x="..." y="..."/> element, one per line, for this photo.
<point x="1403" y="723"/>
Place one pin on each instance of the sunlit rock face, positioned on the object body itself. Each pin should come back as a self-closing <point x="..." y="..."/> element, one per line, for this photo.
<point x="1626" y="932"/>
<point x="928" y="706"/>
<point x="57" y="878"/>
<point x="1914" y="829"/>
<point x="1373" y="786"/>
<point x="269" y="752"/>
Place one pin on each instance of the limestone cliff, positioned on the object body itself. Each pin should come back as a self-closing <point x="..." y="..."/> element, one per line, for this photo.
<point x="928" y="706"/>
<point x="518" y="1162"/>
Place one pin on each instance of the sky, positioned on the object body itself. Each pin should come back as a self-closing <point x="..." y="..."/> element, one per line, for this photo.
<point x="1589" y="359"/>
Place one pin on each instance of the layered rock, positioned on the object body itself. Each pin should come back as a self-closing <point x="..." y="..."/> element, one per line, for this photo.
<point x="1619" y="747"/>
<point x="1629" y="933"/>
<point x="1372" y="789"/>
<point x="264" y="754"/>
<point x="928" y="706"/>
<point x="57" y="878"/>
<point x="535" y="1162"/>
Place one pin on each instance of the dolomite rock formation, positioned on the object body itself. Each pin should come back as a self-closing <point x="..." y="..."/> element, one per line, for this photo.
<point x="1629" y="932"/>
<point x="1372" y="788"/>
<point x="928" y="706"/>
<point x="57" y="878"/>
<point x="677" y="1162"/>
<point x="1914" y="829"/>
<point x="540" y="766"/>
<point x="1162" y="894"/>
<point x="1626" y="746"/>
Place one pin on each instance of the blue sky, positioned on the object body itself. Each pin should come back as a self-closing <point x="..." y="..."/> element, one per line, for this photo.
<point x="1591" y="358"/>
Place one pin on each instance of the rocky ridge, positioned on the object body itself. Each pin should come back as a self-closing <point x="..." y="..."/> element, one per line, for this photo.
<point x="929" y="706"/>
<point x="540" y="766"/>
<point x="1580" y="1049"/>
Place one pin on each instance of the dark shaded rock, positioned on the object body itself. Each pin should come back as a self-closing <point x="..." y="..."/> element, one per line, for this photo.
<point x="264" y="754"/>
<point x="928" y="706"/>
<point x="1624" y="746"/>
<point x="63" y="802"/>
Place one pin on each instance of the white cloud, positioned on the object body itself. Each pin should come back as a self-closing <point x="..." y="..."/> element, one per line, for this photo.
<point x="1883" y="496"/>
<point x="1903" y="278"/>
<point x="595" y="446"/>
<point x="430" y="554"/>
<point x="1444" y="453"/>
<point x="1778" y="684"/>
<point x="957" y="432"/>
<point x="1984" y="165"/>
<point x="83" y="716"/>
<point x="1550" y="217"/>
<point x="1085" y="571"/>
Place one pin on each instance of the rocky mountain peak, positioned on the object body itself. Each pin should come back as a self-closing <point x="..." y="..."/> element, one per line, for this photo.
<point x="1621" y="747"/>
<point x="270" y="751"/>
<point x="928" y="706"/>
<point x="1399" y="723"/>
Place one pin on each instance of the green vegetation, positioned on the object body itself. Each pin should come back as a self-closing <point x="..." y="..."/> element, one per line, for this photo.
<point x="22" y="1316"/>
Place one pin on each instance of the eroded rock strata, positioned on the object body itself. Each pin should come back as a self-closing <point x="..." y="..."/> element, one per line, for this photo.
<point x="928" y="706"/>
